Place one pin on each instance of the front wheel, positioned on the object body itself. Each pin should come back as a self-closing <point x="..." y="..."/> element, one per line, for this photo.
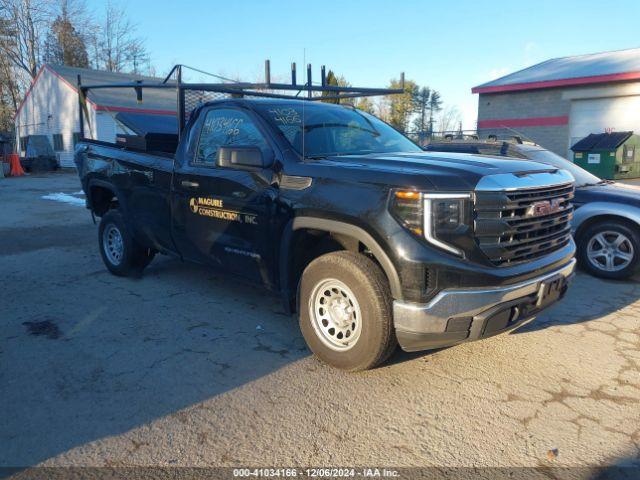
<point x="609" y="249"/>
<point x="121" y="254"/>
<point x="345" y="311"/>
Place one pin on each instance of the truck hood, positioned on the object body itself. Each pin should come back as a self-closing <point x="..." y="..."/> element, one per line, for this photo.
<point x="444" y="171"/>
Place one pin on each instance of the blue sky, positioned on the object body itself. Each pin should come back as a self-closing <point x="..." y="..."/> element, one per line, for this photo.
<point x="449" y="46"/>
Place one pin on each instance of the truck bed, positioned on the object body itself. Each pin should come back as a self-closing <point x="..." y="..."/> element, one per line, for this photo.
<point x="107" y="152"/>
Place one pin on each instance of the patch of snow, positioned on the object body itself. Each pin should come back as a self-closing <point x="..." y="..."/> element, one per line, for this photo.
<point x="65" y="198"/>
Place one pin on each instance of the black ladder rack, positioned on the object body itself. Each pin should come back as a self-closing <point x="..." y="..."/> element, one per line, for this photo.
<point x="239" y="89"/>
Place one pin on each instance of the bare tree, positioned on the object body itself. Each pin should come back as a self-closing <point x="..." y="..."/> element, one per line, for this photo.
<point x="449" y="118"/>
<point x="61" y="31"/>
<point x="9" y="87"/>
<point x="116" y="48"/>
<point x="22" y="24"/>
<point x="381" y="107"/>
<point x="9" y="95"/>
<point x="138" y="57"/>
<point x="366" y="104"/>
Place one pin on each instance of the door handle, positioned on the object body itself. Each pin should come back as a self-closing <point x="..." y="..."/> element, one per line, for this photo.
<point x="189" y="184"/>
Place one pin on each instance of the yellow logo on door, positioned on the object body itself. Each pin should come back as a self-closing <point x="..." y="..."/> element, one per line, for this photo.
<point x="213" y="208"/>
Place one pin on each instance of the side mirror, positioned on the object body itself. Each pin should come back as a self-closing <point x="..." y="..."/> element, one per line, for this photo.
<point x="244" y="158"/>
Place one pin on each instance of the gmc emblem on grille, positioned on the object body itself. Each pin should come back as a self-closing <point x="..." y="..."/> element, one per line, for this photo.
<point x="546" y="207"/>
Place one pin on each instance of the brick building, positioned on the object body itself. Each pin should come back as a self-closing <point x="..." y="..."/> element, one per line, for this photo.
<point x="557" y="102"/>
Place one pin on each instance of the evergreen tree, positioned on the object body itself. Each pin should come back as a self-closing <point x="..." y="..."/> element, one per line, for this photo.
<point x="333" y="80"/>
<point x="421" y="102"/>
<point x="65" y="45"/>
<point x="435" y="105"/>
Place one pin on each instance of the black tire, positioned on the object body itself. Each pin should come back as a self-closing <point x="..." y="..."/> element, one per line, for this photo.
<point x="132" y="257"/>
<point x="598" y="267"/>
<point x="376" y="339"/>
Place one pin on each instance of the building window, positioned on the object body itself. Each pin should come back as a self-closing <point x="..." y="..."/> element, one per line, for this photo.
<point x="76" y="138"/>
<point x="23" y="144"/>
<point x="58" y="143"/>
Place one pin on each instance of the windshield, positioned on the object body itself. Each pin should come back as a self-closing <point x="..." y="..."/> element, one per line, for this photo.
<point x="582" y="176"/>
<point x="332" y="130"/>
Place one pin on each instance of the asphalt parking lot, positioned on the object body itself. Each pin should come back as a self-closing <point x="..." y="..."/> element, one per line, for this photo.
<point x="185" y="366"/>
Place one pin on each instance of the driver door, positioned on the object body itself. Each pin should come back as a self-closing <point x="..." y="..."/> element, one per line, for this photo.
<point x="222" y="214"/>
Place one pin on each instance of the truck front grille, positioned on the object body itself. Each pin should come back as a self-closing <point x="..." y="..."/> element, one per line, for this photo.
<point x="516" y="226"/>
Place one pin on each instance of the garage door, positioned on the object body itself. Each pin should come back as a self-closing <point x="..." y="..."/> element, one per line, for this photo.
<point x="596" y="115"/>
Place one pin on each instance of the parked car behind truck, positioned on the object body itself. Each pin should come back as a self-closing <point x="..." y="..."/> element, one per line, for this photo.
<point x="372" y="241"/>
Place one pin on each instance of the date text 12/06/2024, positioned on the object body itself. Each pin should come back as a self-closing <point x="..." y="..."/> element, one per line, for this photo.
<point x="316" y="472"/>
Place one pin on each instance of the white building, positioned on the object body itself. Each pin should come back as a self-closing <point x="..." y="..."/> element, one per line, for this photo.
<point x="50" y="108"/>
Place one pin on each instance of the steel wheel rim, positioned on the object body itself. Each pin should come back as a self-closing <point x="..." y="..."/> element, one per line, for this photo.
<point x="335" y="314"/>
<point x="112" y="244"/>
<point x="610" y="251"/>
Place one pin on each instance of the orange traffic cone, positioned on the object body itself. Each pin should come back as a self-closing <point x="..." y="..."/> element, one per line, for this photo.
<point x="16" y="168"/>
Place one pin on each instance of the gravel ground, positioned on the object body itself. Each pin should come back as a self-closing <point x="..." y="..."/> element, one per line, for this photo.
<point x="185" y="366"/>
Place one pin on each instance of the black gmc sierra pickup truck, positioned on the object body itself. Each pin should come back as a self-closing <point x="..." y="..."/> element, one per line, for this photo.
<point x="372" y="241"/>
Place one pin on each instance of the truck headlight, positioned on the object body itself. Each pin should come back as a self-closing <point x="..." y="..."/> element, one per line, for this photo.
<point x="441" y="218"/>
<point x="445" y="217"/>
<point x="407" y="208"/>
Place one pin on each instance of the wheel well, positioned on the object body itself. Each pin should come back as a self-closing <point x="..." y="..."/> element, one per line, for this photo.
<point x="102" y="199"/>
<point x="604" y="218"/>
<point x="309" y="244"/>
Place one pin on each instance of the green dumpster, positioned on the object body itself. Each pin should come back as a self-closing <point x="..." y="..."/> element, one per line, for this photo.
<point x="612" y="155"/>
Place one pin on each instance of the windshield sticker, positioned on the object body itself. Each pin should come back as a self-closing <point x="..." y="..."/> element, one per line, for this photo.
<point x="228" y="125"/>
<point x="286" y="116"/>
<point x="214" y="208"/>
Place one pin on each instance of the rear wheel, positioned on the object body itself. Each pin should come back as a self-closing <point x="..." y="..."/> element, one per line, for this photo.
<point x="121" y="254"/>
<point x="609" y="249"/>
<point x="345" y="311"/>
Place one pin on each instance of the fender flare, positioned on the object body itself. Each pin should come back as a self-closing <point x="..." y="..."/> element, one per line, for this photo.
<point x="333" y="226"/>
<point x="596" y="209"/>
<point x="96" y="182"/>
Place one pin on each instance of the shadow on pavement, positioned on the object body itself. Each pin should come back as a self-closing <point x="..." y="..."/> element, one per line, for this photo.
<point x="624" y="469"/>
<point x="127" y="351"/>
<point x="588" y="298"/>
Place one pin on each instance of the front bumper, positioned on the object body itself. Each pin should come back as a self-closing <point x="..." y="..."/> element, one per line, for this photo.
<point x="461" y="315"/>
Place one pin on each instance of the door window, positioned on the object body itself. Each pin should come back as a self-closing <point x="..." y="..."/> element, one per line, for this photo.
<point x="225" y="127"/>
